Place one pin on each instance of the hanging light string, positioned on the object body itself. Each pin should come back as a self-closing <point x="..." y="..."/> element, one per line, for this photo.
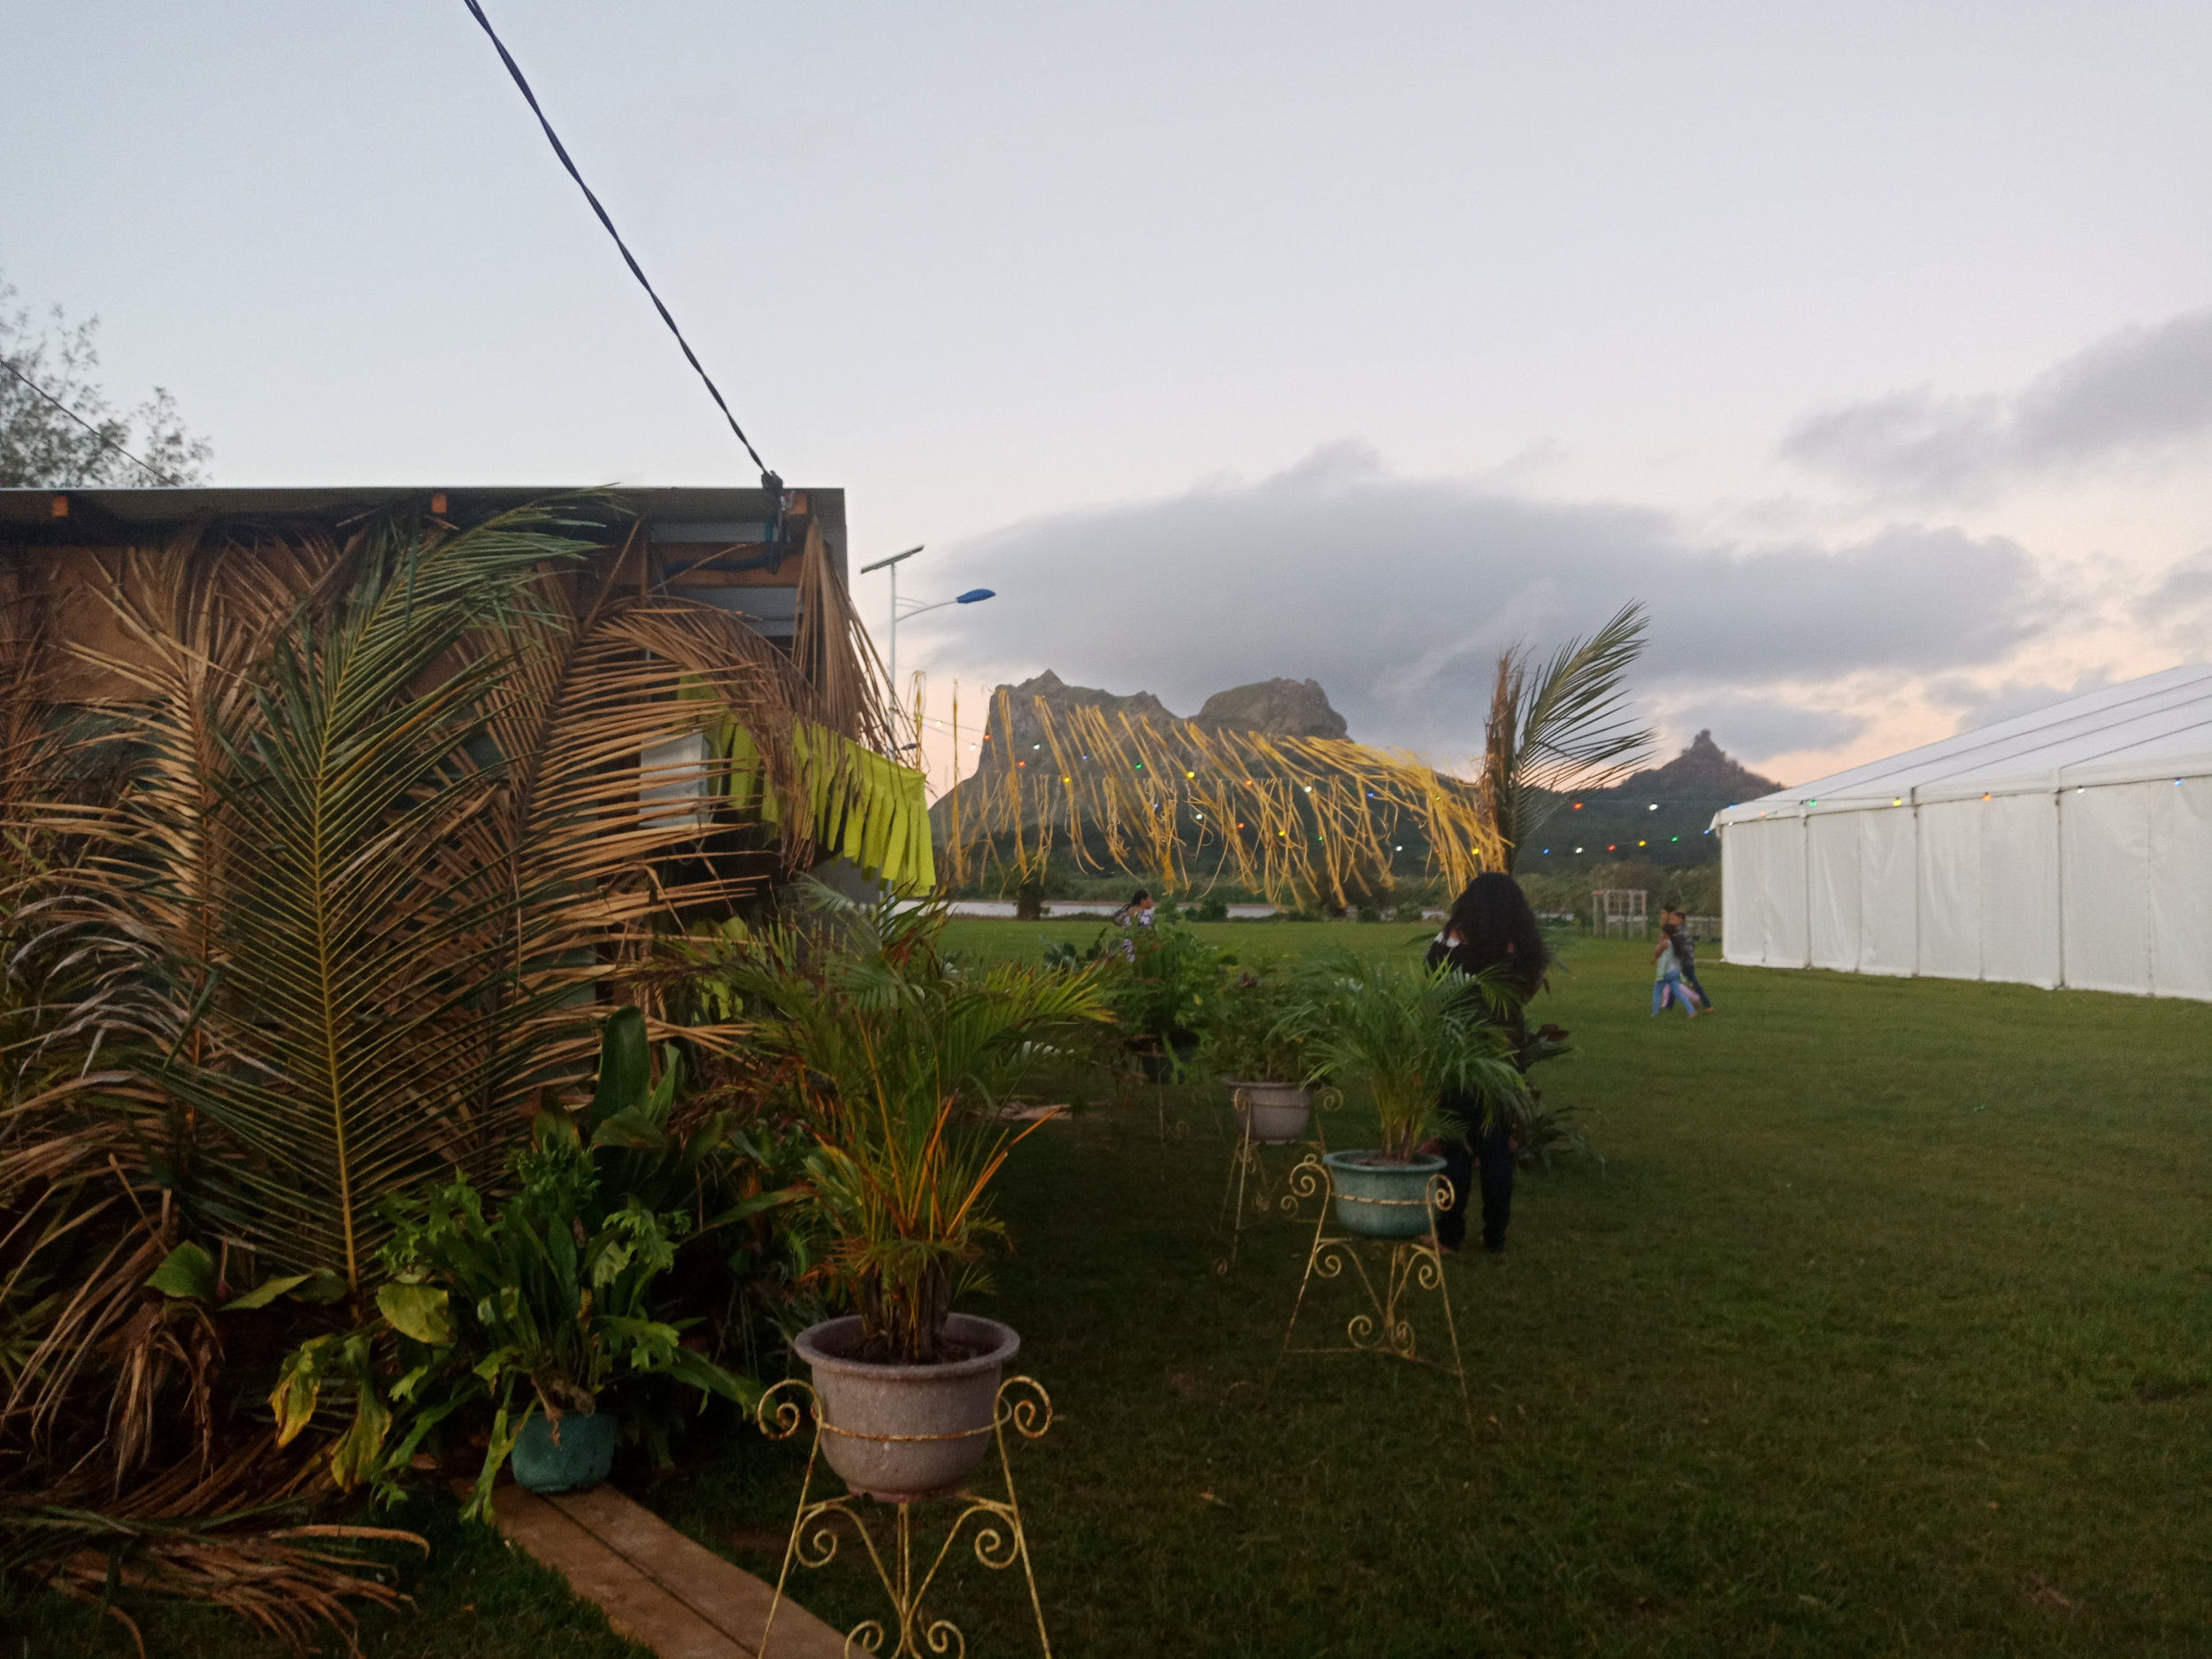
<point x="769" y="480"/>
<point x="101" y="437"/>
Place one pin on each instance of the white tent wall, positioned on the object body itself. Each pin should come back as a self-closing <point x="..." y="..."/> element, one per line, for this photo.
<point x="1889" y="897"/>
<point x="2181" y="895"/>
<point x="1741" y="878"/>
<point x="2107" y="871"/>
<point x="2019" y="889"/>
<point x="2072" y="845"/>
<point x="2103" y="886"/>
<point x="1832" y="889"/>
<point x="1949" y="866"/>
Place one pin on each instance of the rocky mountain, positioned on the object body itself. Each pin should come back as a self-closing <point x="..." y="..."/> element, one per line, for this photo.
<point x="1280" y="708"/>
<point x="1657" y="816"/>
<point x="1700" y="772"/>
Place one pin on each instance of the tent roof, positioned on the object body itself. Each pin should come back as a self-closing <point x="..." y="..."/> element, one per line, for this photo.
<point x="2157" y="726"/>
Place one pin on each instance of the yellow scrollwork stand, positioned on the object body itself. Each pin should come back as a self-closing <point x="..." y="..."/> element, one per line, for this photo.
<point x="1388" y="1281"/>
<point x="1250" y="1196"/>
<point x="998" y="1537"/>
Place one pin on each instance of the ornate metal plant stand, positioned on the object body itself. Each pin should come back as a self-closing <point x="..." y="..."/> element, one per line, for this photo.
<point x="1412" y="1267"/>
<point x="998" y="1538"/>
<point x="1250" y="1196"/>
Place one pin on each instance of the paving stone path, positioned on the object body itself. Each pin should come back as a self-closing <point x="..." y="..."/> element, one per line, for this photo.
<point x="657" y="1588"/>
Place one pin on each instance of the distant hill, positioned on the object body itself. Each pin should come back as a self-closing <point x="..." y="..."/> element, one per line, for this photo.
<point x="1658" y="814"/>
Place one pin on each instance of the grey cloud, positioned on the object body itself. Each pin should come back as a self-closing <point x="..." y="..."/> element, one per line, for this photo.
<point x="1986" y="705"/>
<point x="1758" y="727"/>
<point x="1397" y="595"/>
<point x="2133" y="394"/>
<point x="2183" y="590"/>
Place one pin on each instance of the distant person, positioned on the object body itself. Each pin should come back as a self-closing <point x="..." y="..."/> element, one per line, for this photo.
<point x="1686" y="953"/>
<point x="1135" y="914"/>
<point x="1666" y="974"/>
<point x="1491" y="929"/>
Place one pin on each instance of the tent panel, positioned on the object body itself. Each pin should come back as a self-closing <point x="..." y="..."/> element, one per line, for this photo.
<point x="1832" y="875"/>
<point x="1743" y="875"/>
<point x="2180" y="858"/>
<point x="2019" y="896"/>
<point x="2105" y="835"/>
<point x="1950" y="882"/>
<point x="1888" y="908"/>
<point x="1782" y="902"/>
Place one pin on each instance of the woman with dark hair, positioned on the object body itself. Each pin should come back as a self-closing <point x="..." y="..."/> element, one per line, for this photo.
<point x="1491" y="930"/>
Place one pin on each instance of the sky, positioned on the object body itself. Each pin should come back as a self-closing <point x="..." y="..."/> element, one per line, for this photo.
<point x="1869" y="345"/>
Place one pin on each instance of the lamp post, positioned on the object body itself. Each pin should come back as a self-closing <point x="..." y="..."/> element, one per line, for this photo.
<point x="892" y="565"/>
<point x="974" y="595"/>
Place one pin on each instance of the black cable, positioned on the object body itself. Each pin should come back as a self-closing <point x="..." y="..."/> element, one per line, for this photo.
<point x="769" y="479"/>
<point x="106" y="441"/>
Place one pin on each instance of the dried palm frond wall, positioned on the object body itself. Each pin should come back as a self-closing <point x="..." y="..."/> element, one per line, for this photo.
<point x="320" y="854"/>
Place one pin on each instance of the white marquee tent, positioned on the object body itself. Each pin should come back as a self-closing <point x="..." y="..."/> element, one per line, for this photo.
<point x="2071" y="846"/>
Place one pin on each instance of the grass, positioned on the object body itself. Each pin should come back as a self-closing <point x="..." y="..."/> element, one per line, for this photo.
<point x="1882" y="1329"/>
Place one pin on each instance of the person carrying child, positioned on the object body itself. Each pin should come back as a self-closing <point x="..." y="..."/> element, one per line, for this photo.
<point x="1685" y="952"/>
<point x="1666" y="974"/>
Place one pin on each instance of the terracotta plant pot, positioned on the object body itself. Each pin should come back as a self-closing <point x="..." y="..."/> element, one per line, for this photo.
<point x="899" y="1433"/>
<point x="1382" y="1198"/>
<point x="1279" y="1112"/>
<point x="560" y="1456"/>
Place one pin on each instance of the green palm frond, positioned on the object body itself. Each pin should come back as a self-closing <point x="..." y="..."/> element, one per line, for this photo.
<point x="1562" y="727"/>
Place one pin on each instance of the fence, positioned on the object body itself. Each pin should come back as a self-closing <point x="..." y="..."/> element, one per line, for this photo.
<point x="1619" y="911"/>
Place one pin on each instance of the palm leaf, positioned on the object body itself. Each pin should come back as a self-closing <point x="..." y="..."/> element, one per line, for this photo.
<point x="1565" y="725"/>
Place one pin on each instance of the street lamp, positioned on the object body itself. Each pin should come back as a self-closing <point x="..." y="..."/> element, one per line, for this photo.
<point x="892" y="565"/>
<point x="972" y="597"/>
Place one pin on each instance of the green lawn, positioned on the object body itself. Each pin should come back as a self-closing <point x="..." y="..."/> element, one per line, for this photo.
<point x="1881" y="1329"/>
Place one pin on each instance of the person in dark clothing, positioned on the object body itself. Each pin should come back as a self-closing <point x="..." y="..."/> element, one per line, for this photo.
<point x="1491" y="929"/>
<point x="1686" y="953"/>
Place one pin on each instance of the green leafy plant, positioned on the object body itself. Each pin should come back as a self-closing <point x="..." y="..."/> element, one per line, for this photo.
<point x="1259" y="1032"/>
<point x="1166" y="989"/>
<point x="554" y="1297"/>
<point x="902" y="1062"/>
<point x="1410" y="1033"/>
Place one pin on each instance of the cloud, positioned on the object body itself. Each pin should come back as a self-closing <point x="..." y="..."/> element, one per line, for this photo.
<point x="1397" y="595"/>
<point x="2183" y="590"/>
<point x="2135" y="394"/>
<point x="1980" y="705"/>
<point x="1757" y="727"/>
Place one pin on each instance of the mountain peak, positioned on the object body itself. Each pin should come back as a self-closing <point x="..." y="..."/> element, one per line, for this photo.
<point x="1703" y="768"/>
<point x="1276" y="708"/>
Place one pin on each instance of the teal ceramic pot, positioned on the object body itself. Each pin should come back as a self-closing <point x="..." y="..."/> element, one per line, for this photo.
<point x="1379" y="1198"/>
<point x="576" y="1451"/>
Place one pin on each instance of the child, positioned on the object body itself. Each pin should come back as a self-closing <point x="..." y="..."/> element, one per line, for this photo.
<point x="1666" y="974"/>
<point x="1686" y="951"/>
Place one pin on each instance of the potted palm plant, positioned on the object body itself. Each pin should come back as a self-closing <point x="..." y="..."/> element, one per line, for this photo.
<point x="1412" y="1034"/>
<point x="1256" y="1043"/>
<point x="902" y="1062"/>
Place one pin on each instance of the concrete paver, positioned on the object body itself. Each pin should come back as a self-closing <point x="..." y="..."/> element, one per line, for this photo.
<point x="656" y="1586"/>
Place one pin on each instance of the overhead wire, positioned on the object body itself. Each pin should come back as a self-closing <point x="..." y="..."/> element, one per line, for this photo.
<point x="768" y="479"/>
<point x="101" y="437"/>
